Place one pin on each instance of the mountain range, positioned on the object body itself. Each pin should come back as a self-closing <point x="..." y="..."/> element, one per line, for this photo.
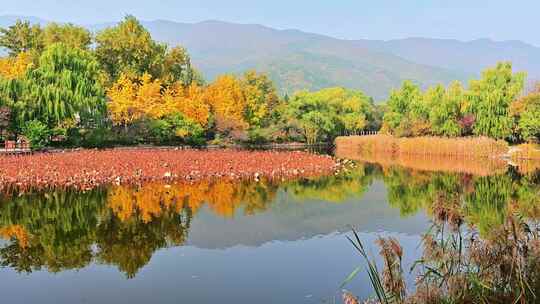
<point x="297" y="60"/>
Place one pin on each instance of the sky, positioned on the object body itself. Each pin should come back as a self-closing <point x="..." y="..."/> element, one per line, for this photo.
<point x="348" y="19"/>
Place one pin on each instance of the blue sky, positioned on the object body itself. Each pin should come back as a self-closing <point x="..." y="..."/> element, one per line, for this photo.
<point x="350" y="19"/>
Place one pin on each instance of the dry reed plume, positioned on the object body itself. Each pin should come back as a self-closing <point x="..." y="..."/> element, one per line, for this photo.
<point x="483" y="147"/>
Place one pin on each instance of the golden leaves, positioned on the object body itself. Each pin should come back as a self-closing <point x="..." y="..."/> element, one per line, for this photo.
<point x="15" y="67"/>
<point x="132" y="98"/>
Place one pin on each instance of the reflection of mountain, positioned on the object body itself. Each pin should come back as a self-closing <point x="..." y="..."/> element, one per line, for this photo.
<point x="288" y="220"/>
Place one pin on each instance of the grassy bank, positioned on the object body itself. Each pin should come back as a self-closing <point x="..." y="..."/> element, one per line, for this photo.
<point x="437" y="146"/>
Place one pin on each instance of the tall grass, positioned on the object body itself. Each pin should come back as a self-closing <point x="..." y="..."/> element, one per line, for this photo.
<point x="466" y="146"/>
<point x="459" y="267"/>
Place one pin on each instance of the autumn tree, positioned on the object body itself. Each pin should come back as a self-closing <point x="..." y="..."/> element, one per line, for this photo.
<point x="189" y="101"/>
<point x="129" y="48"/>
<point x="227" y="101"/>
<point x="172" y="112"/>
<point x="123" y="106"/>
<point x="490" y="98"/>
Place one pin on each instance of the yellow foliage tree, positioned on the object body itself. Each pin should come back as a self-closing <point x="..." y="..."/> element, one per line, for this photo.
<point x="188" y="101"/>
<point x="122" y="106"/>
<point x="15" y="67"/>
<point x="132" y="98"/>
<point x="227" y="100"/>
<point x="149" y="97"/>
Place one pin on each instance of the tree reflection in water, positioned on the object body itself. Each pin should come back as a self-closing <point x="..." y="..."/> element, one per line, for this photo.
<point x="124" y="225"/>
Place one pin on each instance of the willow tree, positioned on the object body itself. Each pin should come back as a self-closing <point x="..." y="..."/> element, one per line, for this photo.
<point x="446" y="107"/>
<point x="490" y="99"/>
<point x="65" y="87"/>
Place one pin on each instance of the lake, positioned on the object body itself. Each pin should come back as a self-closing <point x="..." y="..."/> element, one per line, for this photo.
<point x="219" y="241"/>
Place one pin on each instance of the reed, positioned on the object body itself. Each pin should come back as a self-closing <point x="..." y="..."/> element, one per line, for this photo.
<point x="482" y="147"/>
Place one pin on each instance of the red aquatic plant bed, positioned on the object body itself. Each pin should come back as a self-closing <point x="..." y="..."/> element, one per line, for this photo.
<point x="88" y="169"/>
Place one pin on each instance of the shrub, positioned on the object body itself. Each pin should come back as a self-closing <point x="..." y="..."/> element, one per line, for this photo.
<point x="37" y="133"/>
<point x="176" y="128"/>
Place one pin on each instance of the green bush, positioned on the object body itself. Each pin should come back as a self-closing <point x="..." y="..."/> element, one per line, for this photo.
<point x="37" y="133"/>
<point x="175" y="129"/>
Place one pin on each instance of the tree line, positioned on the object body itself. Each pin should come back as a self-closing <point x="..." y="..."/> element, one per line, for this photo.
<point x="492" y="106"/>
<point x="61" y="84"/>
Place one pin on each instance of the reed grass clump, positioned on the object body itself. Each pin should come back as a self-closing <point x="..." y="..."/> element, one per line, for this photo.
<point x="426" y="145"/>
<point x="458" y="266"/>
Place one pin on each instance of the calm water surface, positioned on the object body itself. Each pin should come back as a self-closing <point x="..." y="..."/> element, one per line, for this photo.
<point x="231" y="242"/>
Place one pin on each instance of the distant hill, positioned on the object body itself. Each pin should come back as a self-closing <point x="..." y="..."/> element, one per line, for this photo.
<point x="468" y="56"/>
<point x="297" y="60"/>
<point x="294" y="59"/>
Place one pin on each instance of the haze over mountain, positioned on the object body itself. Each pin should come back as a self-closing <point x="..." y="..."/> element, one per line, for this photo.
<point x="298" y="60"/>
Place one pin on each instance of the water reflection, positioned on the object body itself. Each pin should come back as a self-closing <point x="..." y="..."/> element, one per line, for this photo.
<point x="124" y="226"/>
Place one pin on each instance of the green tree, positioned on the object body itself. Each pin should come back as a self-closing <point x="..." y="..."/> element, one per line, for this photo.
<point x="261" y="98"/>
<point x="526" y="111"/>
<point x="70" y="35"/>
<point x="490" y="98"/>
<point x="325" y="114"/>
<point x="176" y="67"/>
<point x="21" y="37"/>
<point x="128" y="48"/>
<point x="405" y="107"/>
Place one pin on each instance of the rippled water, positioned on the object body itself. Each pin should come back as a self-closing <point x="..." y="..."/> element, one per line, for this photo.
<point x="225" y="242"/>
